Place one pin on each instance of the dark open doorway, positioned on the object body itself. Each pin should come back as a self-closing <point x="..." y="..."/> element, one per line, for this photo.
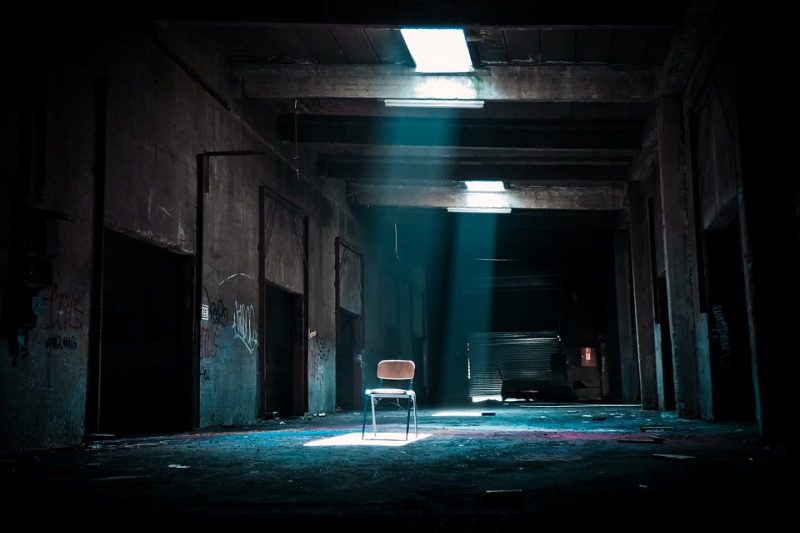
<point x="348" y="360"/>
<point x="349" y="326"/>
<point x="728" y="334"/>
<point x="662" y="318"/>
<point x="146" y="365"/>
<point x="284" y="365"/>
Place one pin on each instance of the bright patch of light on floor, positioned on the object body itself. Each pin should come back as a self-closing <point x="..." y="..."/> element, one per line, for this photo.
<point x="479" y="398"/>
<point x="382" y="439"/>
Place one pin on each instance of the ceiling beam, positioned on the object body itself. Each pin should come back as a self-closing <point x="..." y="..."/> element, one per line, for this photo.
<point x="390" y="169"/>
<point x="454" y="152"/>
<point x="570" y="83"/>
<point x="604" y="197"/>
<point x="448" y="132"/>
<point x="440" y="12"/>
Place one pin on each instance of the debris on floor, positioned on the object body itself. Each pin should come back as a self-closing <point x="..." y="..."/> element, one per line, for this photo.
<point x="642" y="440"/>
<point x="657" y="428"/>
<point x="99" y="436"/>
<point x="488" y="413"/>
<point x="673" y="456"/>
<point x="178" y="466"/>
<point x="502" y="497"/>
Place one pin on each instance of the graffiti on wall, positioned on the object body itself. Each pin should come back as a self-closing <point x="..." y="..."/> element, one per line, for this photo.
<point x="63" y="310"/>
<point x="204" y="374"/>
<point x="722" y="333"/>
<point x="244" y="325"/>
<point x="209" y="346"/>
<point x="61" y="342"/>
<point x="320" y="349"/>
<point x="212" y="326"/>
<point x="217" y="311"/>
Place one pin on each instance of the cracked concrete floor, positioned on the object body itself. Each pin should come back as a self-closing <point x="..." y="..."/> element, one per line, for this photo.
<point x="522" y="467"/>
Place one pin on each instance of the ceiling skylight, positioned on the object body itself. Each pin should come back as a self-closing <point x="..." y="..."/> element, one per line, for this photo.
<point x="438" y="50"/>
<point x="485" y="185"/>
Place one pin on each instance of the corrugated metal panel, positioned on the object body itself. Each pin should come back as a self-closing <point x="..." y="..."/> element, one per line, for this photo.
<point x="495" y="356"/>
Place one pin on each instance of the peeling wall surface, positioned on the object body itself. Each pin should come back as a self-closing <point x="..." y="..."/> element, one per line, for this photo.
<point x="158" y="121"/>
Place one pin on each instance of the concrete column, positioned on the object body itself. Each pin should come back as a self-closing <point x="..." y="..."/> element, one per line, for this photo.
<point x="680" y="255"/>
<point x="629" y="366"/>
<point x="642" y="272"/>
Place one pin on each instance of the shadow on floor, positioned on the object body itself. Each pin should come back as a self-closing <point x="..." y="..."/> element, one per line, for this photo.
<point x="485" y="468"/>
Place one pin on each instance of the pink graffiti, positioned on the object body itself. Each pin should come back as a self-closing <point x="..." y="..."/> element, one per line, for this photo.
<point x="64" y="311"/>
<point x="208" y="342"/>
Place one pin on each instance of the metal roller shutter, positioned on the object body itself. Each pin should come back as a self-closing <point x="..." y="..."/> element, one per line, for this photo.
<point x="495" y="356"/>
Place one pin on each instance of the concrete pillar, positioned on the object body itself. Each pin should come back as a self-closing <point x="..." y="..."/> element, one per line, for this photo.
<point x="642" y="272"/>
<point x="680" y="255"/>
<point x="629" y="366"/>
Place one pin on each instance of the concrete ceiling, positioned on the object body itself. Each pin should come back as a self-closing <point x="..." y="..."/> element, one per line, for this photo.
<point x="567" y="88"/>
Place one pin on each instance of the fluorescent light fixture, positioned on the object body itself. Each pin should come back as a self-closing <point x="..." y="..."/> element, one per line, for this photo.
<point x="433" y="102"/>
<point x="498" y="210"/>
<point x="485" y="185"/>
<point x="438" y="50"/>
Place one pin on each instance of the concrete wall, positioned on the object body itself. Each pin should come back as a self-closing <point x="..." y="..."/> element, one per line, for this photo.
<point x="158" y="120"/>
<point x="43" y="363"/>
<point x="714" y="147"/>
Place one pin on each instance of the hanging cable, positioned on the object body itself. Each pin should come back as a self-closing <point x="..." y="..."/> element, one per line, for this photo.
<point x="296" y="149"/>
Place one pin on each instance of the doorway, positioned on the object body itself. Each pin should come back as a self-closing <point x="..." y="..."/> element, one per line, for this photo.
<point x="284" y="390"/>
<point x="349" y="364"/>
<point x="662" y="320"/>
<point x="731" y="370"/>
<point x="146" y="363"/>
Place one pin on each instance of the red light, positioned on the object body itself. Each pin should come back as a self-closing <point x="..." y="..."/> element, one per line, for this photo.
<point x="587" y="356"/>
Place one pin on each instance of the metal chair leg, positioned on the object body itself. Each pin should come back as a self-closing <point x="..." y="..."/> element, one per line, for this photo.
<point x="374" y="425"/>
<point x="416" y="430"/>
<point x="364" y="417"/>
<point x="408" y="416"/>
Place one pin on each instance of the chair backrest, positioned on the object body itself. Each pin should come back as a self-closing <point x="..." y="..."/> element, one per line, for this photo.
<point x="396" y="369"/>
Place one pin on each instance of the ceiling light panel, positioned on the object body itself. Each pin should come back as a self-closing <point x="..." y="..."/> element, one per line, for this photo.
<point x="438" y="50"/>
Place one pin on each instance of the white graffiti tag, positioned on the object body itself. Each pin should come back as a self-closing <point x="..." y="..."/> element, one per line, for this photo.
<point x="244" y="325"/>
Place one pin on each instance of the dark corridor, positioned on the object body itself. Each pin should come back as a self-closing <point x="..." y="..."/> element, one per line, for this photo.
<point x="146" y="366"/>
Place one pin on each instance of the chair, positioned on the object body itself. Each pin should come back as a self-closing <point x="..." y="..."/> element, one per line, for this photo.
<point x="395" y="370"/>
